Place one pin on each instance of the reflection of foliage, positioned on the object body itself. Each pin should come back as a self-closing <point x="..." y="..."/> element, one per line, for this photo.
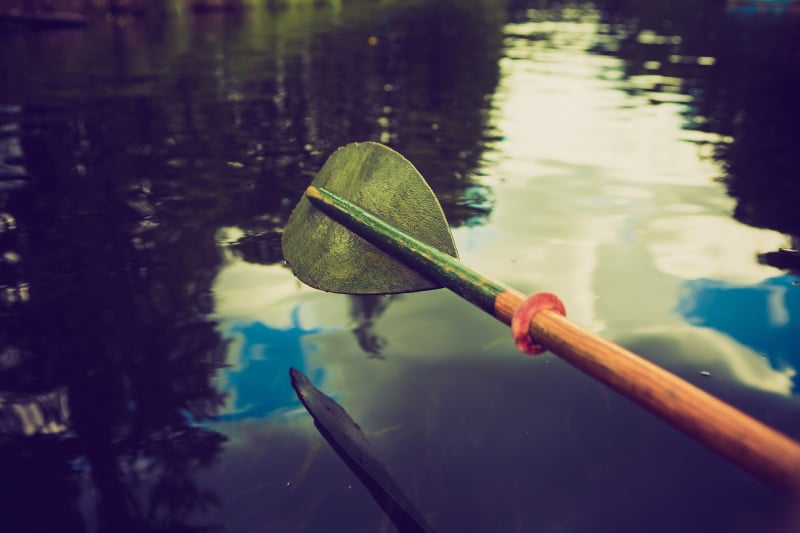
<point x="446" y="56"/>
<point x="30" y="503"/>
<point x="115" y="317"/>
<point x="365" y="310"/>
<point x="141" y="141"/>
<point x="761" y="111"/>
<point x="746" y="94"/>
<point x="407" y="82"/>
<point x="174" y="457"/>
<point x="752" y="97"/>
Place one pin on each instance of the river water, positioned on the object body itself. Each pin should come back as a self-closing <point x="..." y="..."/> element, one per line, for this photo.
<point x="640" y="162"/>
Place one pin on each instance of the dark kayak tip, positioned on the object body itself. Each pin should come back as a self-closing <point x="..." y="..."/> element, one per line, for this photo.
<point x="350" y="444"/>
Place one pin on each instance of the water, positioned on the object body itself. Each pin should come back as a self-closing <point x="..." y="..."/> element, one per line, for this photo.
<point x="634" y="160"/>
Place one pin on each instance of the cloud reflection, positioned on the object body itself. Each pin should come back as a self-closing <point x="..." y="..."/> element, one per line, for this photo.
<point x="266" y="313"/>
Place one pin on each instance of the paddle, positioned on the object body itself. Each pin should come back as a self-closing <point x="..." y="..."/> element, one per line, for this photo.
<point x="369" y="223"/>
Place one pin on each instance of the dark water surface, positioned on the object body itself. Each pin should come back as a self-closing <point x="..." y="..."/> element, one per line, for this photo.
<point x="634" y="160"/>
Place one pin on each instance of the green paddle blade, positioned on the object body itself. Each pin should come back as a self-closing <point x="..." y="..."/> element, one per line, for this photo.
<point x="326" y="255"/>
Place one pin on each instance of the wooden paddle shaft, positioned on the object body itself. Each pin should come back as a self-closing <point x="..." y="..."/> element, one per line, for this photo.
<point x="759" y="449"/>
<point x="756" y="448"/>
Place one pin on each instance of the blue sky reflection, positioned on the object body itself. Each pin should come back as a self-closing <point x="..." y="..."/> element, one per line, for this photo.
<point x="258" y="385"/>
<point x="272" y="323"/>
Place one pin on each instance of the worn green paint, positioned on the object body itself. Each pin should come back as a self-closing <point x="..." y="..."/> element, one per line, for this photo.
<point x="444" y="269"/>
<point x="328" y="256"/>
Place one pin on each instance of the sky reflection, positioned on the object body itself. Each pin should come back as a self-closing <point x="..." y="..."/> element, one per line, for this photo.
<point x="631" y="157"/>
<point x="762" y="316"/>
<point x="268" y="336"/>
<point x="259" y="360"/>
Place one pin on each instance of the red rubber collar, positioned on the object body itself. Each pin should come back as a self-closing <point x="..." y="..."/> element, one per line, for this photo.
<point x="521" y="321"/>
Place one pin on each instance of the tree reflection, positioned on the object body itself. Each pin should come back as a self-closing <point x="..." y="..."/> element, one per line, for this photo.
<point x="133" y="165"/>
<point x="115" y="318"/>
<point x="365" y="310"/>
<point x="761" y="112"/>
<point x="743" y="91"/>
<point x="133" y="143"/>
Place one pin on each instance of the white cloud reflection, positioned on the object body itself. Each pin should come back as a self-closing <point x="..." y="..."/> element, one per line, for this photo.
<point x="603" y="197"/>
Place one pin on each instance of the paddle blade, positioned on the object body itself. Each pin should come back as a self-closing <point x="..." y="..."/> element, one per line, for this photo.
<point x="326" y="255"/>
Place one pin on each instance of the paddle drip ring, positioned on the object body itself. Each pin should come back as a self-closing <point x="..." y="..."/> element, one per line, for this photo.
<point x="521" y="321"/>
